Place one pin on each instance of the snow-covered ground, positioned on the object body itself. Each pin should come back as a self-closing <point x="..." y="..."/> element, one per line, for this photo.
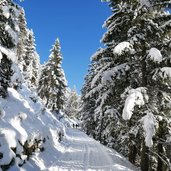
<point x="24" y="121"/>
<point x="26" y="128"/>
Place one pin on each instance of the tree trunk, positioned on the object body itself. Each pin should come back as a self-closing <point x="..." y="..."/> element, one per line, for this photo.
<point x="101" y="129"/>
<point x="144" y="157"/>
<point x="132" y="152"/>
<point x="160" y="151"/>
<point x="144" y="72"/>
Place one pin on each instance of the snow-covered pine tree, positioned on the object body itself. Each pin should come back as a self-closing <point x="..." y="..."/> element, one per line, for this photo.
<point x="5" y="75"/>
<point x="117" y="75"/>
<point x="8" y="42"/>
<point x="88" y="98"/>
<point x="28" y="59"/>
<point x="149" y="55"/>
<point x="52" y="84"/>
<point x="108" y="105"/>
<point x="72" y="105"/>
<point x="98" y="111"/>
<point x="150" y="67"/>
<point x="30" y="63"/>
<point x="135" y="68"/>
<point x="22" y="38"/>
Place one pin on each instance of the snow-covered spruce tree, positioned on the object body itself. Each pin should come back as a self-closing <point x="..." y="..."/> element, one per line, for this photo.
<point x="150" y="68"/>
<point x="97" y="93"/>
<point x="52" y="84"/>
<point x="5" y="75"/>
<point x="72" y="105"/>
<point x="138" y="61"/>
<point x="117" y="76"/>
<point x="30" y="63"/>
<point x="108" y="105"/>
<point x="28" y="59"/>
<point x="22" y="37"/>
<point x="149" y="58"/>
<point x="89" y="101"/>
<point x="8" y="42"/>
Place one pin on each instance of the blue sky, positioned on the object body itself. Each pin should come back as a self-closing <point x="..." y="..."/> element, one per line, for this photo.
<point x="77" y="23"/>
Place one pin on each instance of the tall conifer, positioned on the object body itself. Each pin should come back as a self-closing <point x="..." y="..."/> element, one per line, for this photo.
<point x="52" y="84"/>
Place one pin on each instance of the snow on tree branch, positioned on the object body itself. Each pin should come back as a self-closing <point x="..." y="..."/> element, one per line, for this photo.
<point x="122" y="47"/>
<point x="155" y="55"/>
<point x="136" y="97"/>
<point x="149" y="128"/>
<point x="145" y="3"/>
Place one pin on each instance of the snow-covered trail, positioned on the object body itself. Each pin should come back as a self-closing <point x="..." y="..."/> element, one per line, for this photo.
<point x="85" y="154"/>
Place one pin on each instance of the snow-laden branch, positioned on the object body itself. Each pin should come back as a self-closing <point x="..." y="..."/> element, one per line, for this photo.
<point x="136" y="97"/>
<point x="148" y="122"/>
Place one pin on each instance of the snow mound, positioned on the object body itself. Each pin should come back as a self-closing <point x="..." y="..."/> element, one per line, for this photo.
<point x="122" y="47"/>
<point x="26" y="123"/>
<point x="136" y="97"/>
<point x="155" y="55"/>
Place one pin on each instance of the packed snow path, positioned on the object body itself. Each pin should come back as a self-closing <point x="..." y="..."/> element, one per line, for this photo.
<point x="85" y="154"/>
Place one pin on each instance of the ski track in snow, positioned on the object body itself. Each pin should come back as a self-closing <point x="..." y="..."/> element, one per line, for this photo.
<point x="82" y="153"/>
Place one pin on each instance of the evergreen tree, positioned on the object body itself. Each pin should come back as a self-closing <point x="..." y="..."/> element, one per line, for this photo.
<point x="22" y="38"/>
<point x="30" y="63"/>
<point x="89" y="98"/>
<point x="28" y="59"/>
<point x="52" y="84"/>
<point x="151" y="58"/>
<point x="137" y="66"/>
<point x="5" y="75"/>
<point x="8" y="42"/>
<point x="8" y="31"/>
<point x="72" y="104"/>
